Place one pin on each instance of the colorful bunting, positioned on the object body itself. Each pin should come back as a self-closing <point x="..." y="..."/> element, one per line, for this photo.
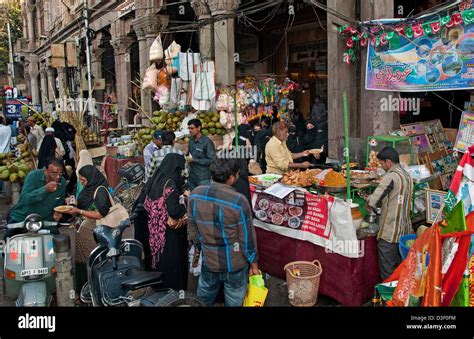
<point x="356" y="38"/>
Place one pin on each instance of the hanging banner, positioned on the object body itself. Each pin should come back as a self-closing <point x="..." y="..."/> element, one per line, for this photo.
<point x="426" y="61"/>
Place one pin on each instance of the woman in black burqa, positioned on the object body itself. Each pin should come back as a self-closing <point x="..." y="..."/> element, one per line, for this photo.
<point x="47" y="150"/>
<point x="169" y="247"/>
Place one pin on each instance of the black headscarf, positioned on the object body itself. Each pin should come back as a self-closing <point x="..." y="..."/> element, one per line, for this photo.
<point x="94" y="179"/>
<point x="170" y="168"/>
<point x="47" y="150"/>
<point x="313" y="131"/>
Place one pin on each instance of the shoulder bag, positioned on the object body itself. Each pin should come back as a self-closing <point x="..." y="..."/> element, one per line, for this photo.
<point x="117" y="213"/>
<point x="176" y="223"/>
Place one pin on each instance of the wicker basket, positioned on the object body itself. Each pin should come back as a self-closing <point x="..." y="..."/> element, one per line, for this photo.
<point x="303" y="279"/>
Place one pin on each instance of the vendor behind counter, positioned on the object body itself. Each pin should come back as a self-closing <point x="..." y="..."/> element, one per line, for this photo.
<point x="278" y="157"/>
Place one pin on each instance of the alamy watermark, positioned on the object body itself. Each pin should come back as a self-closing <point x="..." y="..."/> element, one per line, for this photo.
<point x="347" y="247"/>
<point x="239" y="152"/>
<point x="400" y="104"/>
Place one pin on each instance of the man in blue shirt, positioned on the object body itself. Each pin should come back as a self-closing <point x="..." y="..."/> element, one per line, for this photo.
<point x="220" y="225"/>
<point x="154" y="145"/>
<point x="201" y="151"/>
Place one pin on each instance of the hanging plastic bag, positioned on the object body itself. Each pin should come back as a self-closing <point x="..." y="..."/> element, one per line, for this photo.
<point x="195" y="261"/>
<point x="156" y="50"/>
<point x="165" y="97"/>
<point x="172" y="57"/>
<point x="150" y="81"/>
<point x="189" y="63"/>
<point x="203" y="82"/>
<point x="256" y="292"/>
<point x="176" y="89"/>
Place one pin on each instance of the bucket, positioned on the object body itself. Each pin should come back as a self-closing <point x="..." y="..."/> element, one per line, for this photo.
<point x="303" y="279"/>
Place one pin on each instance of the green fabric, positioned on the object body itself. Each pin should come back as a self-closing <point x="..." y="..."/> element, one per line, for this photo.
<point x="456" y="220"/>
<point x="386" y="290"/>
<point x="461" y="299"/>
<point x="35" y="199"/>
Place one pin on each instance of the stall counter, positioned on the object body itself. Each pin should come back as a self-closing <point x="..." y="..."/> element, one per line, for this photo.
<point x="350" y="281"/>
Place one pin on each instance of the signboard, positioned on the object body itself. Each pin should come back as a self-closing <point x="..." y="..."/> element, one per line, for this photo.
<point x="309" y="51"/>
<point x="57" y="51"/>
<point x="434" y="62"/>
<point x="71" y="56"/>
<point x="13" y="109"/>
<point x="247" y="47"/>
<point x="465" y="137"/>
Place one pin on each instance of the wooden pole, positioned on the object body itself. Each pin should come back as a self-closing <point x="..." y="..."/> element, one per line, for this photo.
<point x="346" y="148"/>
<point x="236" y="121"/>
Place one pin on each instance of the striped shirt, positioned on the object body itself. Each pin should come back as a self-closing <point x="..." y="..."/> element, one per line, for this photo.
<point x="220" y="222"/>
<point x="394" y="193"/>
<point x="157" y="157"/>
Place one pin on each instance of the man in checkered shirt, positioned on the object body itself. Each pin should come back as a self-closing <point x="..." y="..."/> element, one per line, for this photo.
<point x="158" y="155"/>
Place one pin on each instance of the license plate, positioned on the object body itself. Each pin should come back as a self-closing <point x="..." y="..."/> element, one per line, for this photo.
<point x="34" y="271"/>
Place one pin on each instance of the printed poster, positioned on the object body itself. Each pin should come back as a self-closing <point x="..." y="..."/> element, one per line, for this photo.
<point x="431" y="62"/>
<point x="465" y="137"/>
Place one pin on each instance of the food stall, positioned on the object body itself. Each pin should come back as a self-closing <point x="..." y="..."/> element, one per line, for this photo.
<point x="297" y="219"/>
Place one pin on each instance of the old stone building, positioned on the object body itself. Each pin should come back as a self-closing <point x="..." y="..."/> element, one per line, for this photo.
<point x="121" y="32"/>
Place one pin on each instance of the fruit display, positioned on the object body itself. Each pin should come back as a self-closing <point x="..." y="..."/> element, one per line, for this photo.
<point x="301" y="178"/>
<point x="14" y="168"/>
<point x="374" y="162"/>
<point x="210" y="123"/>
<point x="168" y="121"/>
<point x="89" y="136"/>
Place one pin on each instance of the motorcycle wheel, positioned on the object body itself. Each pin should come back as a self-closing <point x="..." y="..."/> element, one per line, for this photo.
<point x="126" y="194"/>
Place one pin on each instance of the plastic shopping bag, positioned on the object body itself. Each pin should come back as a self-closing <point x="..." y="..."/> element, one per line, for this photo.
<point x="156" y="49"/>
<point x="256" y="292"/>
<point x="195" y="262"/>
<point x="189" y="63"/>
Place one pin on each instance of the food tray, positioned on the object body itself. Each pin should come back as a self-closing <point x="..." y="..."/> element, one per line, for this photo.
<point x="62" y="208"/>
<point x="266" y="180"/>
<point x="332" y="189"/>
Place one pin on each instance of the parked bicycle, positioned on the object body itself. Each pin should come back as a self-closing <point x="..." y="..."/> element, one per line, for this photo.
<point x="130" y="186"/>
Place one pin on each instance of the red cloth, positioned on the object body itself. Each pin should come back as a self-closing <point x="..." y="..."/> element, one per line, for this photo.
<point x="112" y="165"/>
<point x="350" y="281"/>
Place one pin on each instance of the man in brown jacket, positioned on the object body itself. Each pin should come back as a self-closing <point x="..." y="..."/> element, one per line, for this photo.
<point x="394" y="195"/>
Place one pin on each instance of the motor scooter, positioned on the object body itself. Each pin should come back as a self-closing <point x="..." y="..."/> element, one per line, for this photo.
<point x="116" y="276"/>
<point x="29" y="272"/>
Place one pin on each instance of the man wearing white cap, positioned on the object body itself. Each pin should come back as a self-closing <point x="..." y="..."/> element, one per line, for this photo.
<point x="60" y="147"/>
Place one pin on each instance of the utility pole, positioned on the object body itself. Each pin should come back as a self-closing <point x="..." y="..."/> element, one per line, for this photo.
<point x="10" y="52"/>
<point x="88" y="58"/>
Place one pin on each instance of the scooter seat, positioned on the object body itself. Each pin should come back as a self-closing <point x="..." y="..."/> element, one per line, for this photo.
<point x="137" y="278"/>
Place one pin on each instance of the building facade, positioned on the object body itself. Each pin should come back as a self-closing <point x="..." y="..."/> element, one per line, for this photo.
<point x="121" y="32"/>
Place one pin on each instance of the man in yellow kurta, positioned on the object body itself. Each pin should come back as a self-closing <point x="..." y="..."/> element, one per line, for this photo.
<point x="277" y="155"/>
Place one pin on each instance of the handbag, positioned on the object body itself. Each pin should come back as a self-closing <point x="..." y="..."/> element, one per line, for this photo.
<point x="176" y="223"/>
<point x="117" y="213"/>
